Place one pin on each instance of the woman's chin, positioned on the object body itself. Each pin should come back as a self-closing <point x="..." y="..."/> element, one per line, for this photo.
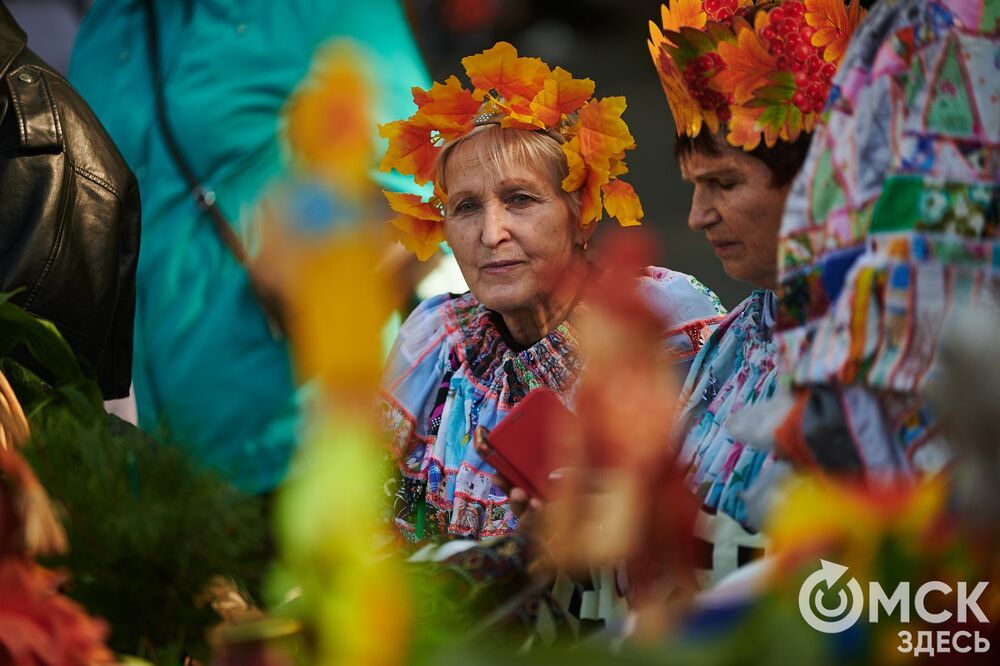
<point x="501" y="299"/>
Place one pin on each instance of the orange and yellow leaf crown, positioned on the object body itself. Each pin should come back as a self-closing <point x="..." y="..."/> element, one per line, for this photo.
<point x="761" y="69"/>
<point x="520" y="93"/>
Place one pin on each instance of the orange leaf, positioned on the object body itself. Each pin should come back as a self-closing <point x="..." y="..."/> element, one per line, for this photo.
<point x="748" y="65"/>
<point x="562" y="94"/>
<point x="410" y="151"/>
<point x="412" y="205"/>
<point x="834" y="25"/>
<point x="577" y="175"/>
<point x="440" y="194"/>
<point x="421" y="237"/>
<point x="744" y="132"/>
<point x="518" y="114"/>
<point x="40" y="626"/>
<point x="683" y="14"/>
<point x="449" y="108"/>
<point x="761" y="20"/>
<point x="621" y="202"/>
<point x="687" y="114"/>
<point x="590" y="197"/>
<point x="421" y="96"/>
<point x="746" y="129"/>
<point x="618" y="166"/>
<point x="521" y="121"/>
<point x="602" y="132"/>
<point x="500" y="69"/>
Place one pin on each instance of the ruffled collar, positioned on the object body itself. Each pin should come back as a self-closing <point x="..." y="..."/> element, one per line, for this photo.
<point x="505" y="369"/>
<point x="760" y="313"/>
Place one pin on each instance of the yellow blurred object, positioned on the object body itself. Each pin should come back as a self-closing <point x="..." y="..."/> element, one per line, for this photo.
<point x="339" y="306"/>
<point x="352" y="601"/>
<point x="817" y="514"/>
<point x="329" y="523"/>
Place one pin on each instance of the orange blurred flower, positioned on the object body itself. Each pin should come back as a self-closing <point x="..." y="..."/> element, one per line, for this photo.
<point x="329" y="120"/>
<point x="39" y="626"/>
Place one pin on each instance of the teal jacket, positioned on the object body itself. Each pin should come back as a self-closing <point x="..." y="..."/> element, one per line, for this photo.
<point x="207" y="369"/>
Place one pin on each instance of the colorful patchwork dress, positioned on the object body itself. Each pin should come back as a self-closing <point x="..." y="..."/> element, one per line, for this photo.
<point x="453" y="368"/>
<point x="892" y="224"/>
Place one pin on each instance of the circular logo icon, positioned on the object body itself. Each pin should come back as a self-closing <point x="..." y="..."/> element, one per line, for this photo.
<point x="813" y="592"/>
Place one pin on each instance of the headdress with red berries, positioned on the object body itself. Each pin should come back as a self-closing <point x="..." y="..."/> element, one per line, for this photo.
<point x="759" y="69"/>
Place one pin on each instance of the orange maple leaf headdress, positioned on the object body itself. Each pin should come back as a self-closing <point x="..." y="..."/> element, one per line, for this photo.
<point x="761" y="69"/>
<point x="520" y="93"/>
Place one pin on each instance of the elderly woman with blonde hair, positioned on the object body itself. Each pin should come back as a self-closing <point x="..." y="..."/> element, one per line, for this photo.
<point x="523" y="167"/>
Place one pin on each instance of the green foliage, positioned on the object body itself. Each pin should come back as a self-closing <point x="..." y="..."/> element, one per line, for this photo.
<point x="771" y="631"/>
<point x="147" y="529"/>
<point x="72" y="381"/>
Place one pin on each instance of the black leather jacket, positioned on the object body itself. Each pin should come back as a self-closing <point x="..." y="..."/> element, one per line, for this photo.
<point x="69" y="212"/>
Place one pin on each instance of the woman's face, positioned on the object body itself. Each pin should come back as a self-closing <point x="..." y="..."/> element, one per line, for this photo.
<point x="513" y="233"/>
<point x="736" y="206"/>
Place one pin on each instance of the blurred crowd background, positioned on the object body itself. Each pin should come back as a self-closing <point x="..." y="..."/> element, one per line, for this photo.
<point x="602" y="39"/>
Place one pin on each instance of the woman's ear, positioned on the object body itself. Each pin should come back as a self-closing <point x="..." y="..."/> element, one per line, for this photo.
<point x="583" y="233"/>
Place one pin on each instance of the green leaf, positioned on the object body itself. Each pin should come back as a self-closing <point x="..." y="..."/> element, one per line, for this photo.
<point x="28" y="387"/>
<point x="698" y="39"/>
<point x="775" y="116"/>
<point x="774" y="93"/>
<point x="720" y="33"/>
<point x="6" y="295"/>
<point x="794" y="121"/>
<point x="679" y="48"/>
<point x="784" y="79"/>
<point x="45" y="345"/>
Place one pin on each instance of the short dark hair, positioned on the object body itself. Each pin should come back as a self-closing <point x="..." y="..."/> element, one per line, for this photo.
<point x="784" y="159"/>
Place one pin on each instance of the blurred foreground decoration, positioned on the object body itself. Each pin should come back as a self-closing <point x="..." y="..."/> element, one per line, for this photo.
<point x="629" y="503"/>
<point x="324" y="242"/>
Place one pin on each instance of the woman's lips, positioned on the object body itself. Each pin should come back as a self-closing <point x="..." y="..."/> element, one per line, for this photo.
<point x="724" y="248"/>
<point x="501" y="267"/>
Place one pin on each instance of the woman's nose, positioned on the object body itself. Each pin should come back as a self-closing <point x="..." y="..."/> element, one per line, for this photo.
<point x="703" y="213"/>
<point x="495" y="225"/>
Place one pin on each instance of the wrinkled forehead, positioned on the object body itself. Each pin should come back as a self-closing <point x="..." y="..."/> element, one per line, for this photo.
<point x="491" y="157"/>
<point x="698" y="162"/>
<point x="476" y="176"/>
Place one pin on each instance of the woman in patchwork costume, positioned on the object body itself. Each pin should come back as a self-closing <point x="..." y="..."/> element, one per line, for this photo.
<point x="747" y="83"/>
<point x="889" y="231"/>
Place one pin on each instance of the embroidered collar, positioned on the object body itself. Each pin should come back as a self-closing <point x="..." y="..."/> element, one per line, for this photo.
<point x="505" y="372"/>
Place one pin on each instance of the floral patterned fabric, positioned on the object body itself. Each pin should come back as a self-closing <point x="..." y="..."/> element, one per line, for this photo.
<point x="734" y="369"/>
<point x="892" y="223"/>
<point x="452" y="370"/>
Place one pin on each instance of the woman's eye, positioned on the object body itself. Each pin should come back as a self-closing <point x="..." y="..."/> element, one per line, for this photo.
<point x="465" y="207"/>
<point x="520" y="199"/>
